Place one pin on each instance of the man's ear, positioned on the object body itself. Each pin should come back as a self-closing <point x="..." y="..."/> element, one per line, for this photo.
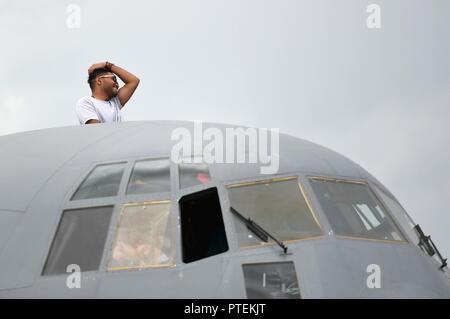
<point x="98" y="81"/>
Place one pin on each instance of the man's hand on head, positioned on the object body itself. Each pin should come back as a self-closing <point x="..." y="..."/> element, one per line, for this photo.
<point x="131" y="81"/>
<point x="96" y="66"/>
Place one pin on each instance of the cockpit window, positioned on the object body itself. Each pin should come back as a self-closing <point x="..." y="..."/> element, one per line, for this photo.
<point x="150" y="176"/>
<point x="353" y="210"/>
<point x="143" y="238"/>
<point x="103" y="181"/>
<point x="193" y="174"/>
<point x="278" y="206"/>
<point x="202" y="228"/>
<point x="79" y="240"/>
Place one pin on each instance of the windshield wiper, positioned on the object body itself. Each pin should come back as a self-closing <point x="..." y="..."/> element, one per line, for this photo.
<point x="427" y="244"/>
<point x="258" y="230"/>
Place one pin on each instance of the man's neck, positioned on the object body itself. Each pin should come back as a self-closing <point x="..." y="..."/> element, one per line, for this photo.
<point x="100" y="96"/>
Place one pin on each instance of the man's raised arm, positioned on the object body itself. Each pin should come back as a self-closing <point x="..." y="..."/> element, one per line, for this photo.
<point x="131" y="83"/>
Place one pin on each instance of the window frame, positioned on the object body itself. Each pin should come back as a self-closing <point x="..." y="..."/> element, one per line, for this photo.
<point x="179" y="166"/>
<point x="117" y="202"/>
<point x="55" y="234"/>
<point x="302" y="194"/>
<point x="116" y="225"/>
<point x="130" y="175"/>
<point x="366" y="183"/>
<point x="79" y="183"/>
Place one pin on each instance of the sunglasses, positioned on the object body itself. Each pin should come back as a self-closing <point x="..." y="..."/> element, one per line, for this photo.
<point x="113" y="77"/>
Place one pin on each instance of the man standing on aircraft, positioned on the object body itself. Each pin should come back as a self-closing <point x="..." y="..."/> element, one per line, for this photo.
<point x="107" y="100"/>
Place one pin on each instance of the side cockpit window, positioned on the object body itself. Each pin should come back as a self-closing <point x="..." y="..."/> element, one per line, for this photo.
<point x="103" y="181"/>
<point x="353" y="210"/>
<point x="143" y="238"/>
<point x="79" y="240"/>
<point x="202" y="227"/>
<point x="150" y="176"/>
<point x="278" y="206"/>
<point x="144" y="234"/>
<point x="192" y="174"/>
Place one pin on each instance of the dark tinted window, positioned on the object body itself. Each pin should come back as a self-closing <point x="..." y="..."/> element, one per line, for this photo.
<point x="103" y="181"/>
<point x="79" y="240"/>
<point x="202" y="228"/>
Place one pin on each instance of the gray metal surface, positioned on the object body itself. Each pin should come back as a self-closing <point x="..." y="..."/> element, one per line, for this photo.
<point x="41" y="170"/>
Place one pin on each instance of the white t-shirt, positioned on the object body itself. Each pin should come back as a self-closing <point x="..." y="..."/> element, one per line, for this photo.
<point x="90" y="108"/>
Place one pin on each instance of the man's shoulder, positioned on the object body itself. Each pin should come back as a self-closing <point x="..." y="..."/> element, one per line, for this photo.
<point x="85" y="100"/>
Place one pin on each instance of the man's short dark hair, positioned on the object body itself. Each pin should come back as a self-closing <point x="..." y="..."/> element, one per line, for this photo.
<point x="94" y="74"/>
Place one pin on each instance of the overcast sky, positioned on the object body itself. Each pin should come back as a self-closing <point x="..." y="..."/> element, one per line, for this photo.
<point x="311" y="68"/>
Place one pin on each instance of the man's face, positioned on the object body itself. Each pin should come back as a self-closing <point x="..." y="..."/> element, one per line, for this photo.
<point x="108" y="83"/>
